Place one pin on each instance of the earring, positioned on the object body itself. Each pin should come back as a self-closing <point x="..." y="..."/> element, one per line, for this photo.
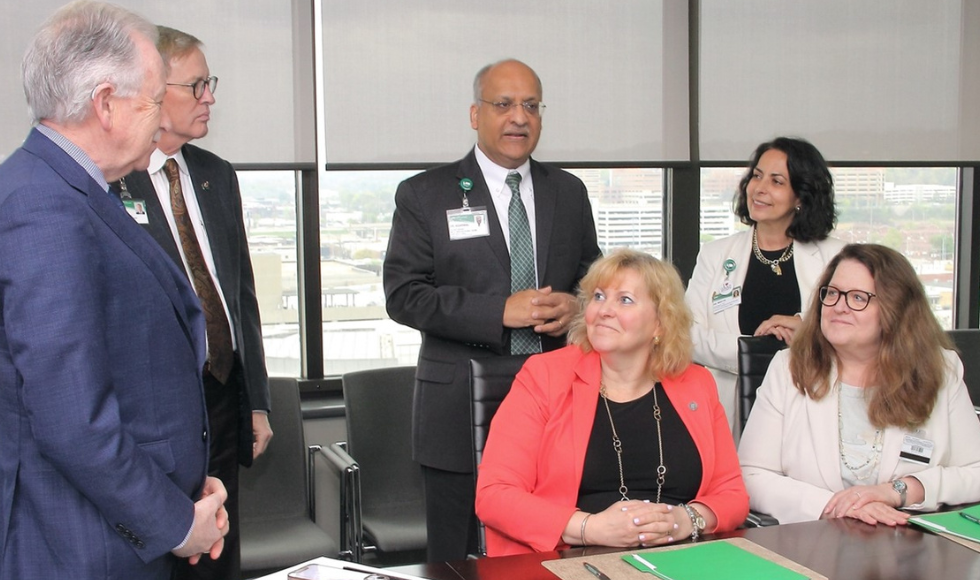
<point x="656" y="340"/>
<point x="797" y="209"/>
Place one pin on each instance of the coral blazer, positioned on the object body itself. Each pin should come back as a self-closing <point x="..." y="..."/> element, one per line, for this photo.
<point x="532" y="466"/>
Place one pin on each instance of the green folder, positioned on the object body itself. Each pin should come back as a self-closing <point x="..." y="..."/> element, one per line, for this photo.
<point x="710" y="561"/>
<point x="953" y="523"/>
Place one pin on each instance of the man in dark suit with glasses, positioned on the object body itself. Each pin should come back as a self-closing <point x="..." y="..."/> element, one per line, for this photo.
<point x="484" y="257"/>
<point x="194" y="211"/>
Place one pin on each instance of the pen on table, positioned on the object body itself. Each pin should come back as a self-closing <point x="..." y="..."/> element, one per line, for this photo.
<point x="970" y="517"/>
<point x="595" y="571"/>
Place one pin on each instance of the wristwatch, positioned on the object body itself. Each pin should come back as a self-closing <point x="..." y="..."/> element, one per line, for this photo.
<point x="697" y="521"/>
<point x="901" y="487"/>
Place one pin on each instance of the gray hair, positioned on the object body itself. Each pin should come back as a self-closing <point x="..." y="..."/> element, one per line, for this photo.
<point x="174" y="43"/>
<point x="482" y="73"/>
<point x="80" y="46"/>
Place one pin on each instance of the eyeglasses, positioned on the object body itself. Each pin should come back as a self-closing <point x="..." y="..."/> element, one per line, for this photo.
<point x="532" y="108"/>
<point x="198" y="87"/>
<point x="856" y="300"/>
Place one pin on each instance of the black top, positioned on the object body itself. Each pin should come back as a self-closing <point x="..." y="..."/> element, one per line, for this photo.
<point x="637" y="430"/>
<point x="765" y="294"/>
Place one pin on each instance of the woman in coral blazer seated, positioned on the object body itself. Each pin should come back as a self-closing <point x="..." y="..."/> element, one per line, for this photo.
<point x="866" y="413"/>
<point x="616" y="440"/>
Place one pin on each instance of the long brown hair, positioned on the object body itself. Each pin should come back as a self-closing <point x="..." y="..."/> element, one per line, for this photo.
<point x="910" y="367"/>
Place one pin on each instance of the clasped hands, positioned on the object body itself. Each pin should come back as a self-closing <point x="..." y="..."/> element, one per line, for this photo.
<point x="210" y="523"/>
<point x="547" y="311"/>
<point x="872" y="504"/>
<point x="628" y="524"/>
<point x="781" y="326"/>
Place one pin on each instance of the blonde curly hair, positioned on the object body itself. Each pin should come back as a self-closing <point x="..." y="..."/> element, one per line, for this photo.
<point x="672" y="353"/>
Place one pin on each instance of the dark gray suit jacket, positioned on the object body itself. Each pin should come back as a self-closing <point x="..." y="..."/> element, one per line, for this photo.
<point x="454" y="291"/>
<point x="216" y="188"/>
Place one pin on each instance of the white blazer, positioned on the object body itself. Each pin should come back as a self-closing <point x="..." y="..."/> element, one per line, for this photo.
<point x="790" y="450"/>
<point x="715" y="336"/>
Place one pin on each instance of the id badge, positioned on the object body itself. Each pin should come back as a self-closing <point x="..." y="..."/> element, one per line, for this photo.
<point x="722" y="302"/>
<point x="466" y="223"/>
<point x="136" y="208"/>
<point x="916" y="450"/>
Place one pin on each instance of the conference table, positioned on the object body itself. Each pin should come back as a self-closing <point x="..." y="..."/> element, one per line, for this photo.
<point x="843" y="549"/>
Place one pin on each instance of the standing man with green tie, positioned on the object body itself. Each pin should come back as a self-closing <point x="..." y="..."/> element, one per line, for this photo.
<point x="484" y="258"/>
<point x="194" y="211"/>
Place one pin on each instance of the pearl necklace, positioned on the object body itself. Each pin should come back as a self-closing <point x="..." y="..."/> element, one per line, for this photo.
<point x="618" y="445"/>
<point x="876" y="446"/>
<point x="774" y="264"/>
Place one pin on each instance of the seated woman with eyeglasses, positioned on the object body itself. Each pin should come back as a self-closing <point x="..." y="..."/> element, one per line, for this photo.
<point x="866" y="413"/>
<point x="617" y="439"/>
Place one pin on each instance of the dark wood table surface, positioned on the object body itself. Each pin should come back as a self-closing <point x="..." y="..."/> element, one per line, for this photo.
<point x="840" y="549"/>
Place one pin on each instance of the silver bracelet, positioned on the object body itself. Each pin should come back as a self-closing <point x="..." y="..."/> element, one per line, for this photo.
<point x="695" y="519"/>
<point x="582" y="529"/>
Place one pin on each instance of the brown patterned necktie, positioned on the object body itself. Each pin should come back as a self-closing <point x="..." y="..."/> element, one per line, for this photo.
<point x="220" y="352"/>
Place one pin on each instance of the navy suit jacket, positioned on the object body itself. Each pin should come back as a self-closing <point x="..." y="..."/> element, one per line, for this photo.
<point x="454" y="291"/>
<point x="103" y="431"/>
<point x="216" y="189"/>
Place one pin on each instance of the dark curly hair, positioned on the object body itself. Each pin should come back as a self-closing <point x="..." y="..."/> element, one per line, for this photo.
<point x="811" y="181"/>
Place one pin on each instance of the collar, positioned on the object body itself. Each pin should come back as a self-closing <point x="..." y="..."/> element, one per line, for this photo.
<point x="76" y="153"/>
<point x="495" y="174"/>
<point x="158" y="158"/>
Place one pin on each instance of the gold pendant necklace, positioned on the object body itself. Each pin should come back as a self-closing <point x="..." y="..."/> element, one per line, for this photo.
<point x="774" y="264"/>
<point x="618" y="445"/>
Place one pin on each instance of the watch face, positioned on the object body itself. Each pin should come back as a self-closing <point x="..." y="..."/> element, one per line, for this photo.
<point x="899" y="486"/>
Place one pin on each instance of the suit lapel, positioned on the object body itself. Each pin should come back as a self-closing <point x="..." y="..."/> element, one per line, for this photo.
<point x="126" y="229"/>
<point x="741" y="253"/>
<point x="824" y="422"/>
<point x="141" y="186"/>
<point x="170" y="278"/>
<point x="545" y="199"/>
<point x="585" y="396"/>
<point x="479" y="196"/>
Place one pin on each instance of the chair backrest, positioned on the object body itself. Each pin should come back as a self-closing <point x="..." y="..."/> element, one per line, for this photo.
<point x="754" y="355"/>
<point x="490" y="381"/>
<point x="967" y="341"/>
<point x="275" y="486"/>
<point x="379" y="436"/>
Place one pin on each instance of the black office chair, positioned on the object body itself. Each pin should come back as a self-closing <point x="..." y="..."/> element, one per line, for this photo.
<point x="277" y="520"/>
<point x="967" y="341"/>
<point x="490" y="381"/>
<point x="382" y="508"/>
<point x="754" y="355"/>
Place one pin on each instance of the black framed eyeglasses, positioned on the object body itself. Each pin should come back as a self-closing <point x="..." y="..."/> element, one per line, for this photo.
<point x="856" y="300"/>
<point x="198" y="87"/>
<point x="532" y="108"/>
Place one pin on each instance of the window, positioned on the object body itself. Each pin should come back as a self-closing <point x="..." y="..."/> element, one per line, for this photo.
<point x="355" y="219"/>
<point x="269" y="208"/>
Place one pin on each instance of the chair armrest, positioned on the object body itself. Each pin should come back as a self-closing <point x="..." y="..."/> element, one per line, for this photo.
<point x="759" y="520"/>
<point x="351" y="530"/>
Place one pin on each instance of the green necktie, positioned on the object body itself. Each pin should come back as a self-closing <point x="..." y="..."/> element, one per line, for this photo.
<point x="522" y="340"/>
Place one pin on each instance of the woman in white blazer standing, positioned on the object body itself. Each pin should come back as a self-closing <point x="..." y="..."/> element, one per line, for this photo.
<point x="866" y="413"/>
<point x="754" y="282"/>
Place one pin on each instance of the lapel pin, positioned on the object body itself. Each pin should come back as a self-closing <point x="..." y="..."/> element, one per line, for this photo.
<point x="206" y="186"/>
<point x="693" y="406"/>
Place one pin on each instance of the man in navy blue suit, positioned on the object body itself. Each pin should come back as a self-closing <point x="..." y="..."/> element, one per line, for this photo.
<point x="103" y="431"/>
